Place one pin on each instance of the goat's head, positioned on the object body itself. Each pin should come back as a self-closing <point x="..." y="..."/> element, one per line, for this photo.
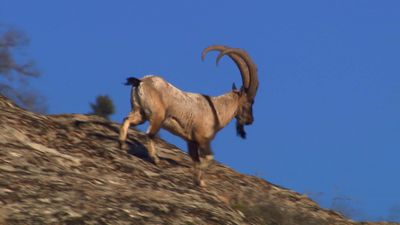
<point x="247" y="93"/>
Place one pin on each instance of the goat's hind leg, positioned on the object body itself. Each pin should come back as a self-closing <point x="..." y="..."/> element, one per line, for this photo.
<point x="134" y="118"/>
<point x="155" y="123"/>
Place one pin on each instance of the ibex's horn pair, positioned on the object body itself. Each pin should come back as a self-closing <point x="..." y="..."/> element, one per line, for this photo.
<point x="248" y="69"/>
<point x="194" y="117"/>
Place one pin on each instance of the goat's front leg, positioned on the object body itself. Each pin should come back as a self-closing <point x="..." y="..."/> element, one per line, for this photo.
<point x="134" y="118"/>
<point x="201" y="155"/>
<point x="206" y="154"/>
<point x="193" y="149"/>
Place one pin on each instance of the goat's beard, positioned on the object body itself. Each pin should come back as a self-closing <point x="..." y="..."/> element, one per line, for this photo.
<point x="240" y="130"/>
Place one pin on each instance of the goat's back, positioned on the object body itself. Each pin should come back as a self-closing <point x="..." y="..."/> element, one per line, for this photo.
<point x="183" y="111"/>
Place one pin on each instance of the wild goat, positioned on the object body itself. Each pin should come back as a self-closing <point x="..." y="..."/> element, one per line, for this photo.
<point x="194" y="117"/>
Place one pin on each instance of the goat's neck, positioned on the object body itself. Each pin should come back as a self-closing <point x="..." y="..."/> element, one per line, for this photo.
<point x="226" y="108"/>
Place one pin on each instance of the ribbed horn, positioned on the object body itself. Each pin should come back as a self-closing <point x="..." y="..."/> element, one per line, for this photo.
<point x="253" y="84"/>
<point x="243" y="68"/>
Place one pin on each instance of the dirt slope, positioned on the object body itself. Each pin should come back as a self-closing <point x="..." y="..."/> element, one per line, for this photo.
<point x="67" y="169"/>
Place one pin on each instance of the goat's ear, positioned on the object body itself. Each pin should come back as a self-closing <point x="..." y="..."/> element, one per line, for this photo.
<point x="234" y="87"/>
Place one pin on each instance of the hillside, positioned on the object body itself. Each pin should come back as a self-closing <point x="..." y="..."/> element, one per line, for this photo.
<point x="67" y="169"/>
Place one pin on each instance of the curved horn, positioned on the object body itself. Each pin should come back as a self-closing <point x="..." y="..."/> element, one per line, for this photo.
<point x="253" y="86"/>
<point x="244" y="69"/>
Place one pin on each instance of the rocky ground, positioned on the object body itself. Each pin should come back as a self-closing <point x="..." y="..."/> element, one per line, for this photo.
<point x="67" y="169"/>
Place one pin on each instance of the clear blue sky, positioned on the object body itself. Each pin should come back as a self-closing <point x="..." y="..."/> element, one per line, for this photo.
<point x="327" y="114"/>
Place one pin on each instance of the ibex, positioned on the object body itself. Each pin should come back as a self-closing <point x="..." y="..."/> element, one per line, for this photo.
<point x="194" y="117"/>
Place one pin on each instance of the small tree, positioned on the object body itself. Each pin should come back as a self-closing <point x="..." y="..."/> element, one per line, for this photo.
<point x="103" y="106"/>
<point x="13" y="68"/>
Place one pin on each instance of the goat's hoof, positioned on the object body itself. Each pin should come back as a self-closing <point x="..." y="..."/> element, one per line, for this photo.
<point x="201" y="183"/>
<point x="121" y="144"/>
<point x="155" y="160"/>
<point x="199" y="180"/>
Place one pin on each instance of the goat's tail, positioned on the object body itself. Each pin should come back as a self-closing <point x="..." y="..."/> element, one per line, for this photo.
<point x="132" y="81"/>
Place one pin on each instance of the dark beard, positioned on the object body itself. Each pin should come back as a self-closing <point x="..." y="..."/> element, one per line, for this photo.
<point x="240" y="130"/>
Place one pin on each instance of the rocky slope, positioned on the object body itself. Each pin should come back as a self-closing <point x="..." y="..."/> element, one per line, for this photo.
<point x="67" y="169"/>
